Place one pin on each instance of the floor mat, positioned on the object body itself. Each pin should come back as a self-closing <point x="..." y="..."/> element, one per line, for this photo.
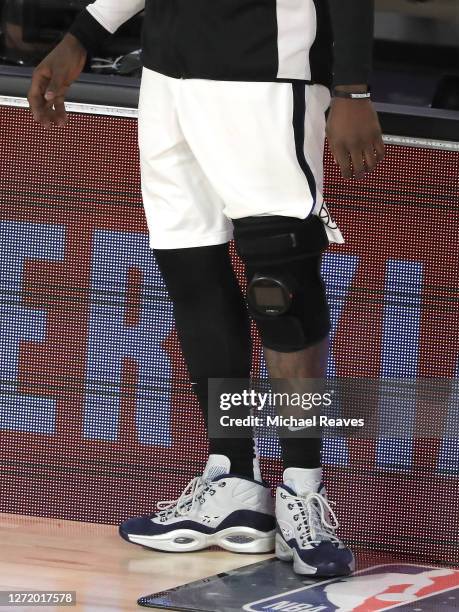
<point x="271" y="585"/>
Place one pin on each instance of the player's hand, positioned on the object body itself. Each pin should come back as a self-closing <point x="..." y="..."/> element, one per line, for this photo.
<point x="51" y="79"/>
<point x="354" y="136"/>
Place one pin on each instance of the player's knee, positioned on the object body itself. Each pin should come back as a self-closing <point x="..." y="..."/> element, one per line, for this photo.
<point x="285" y="294"/>
<point x="289" y="304"/>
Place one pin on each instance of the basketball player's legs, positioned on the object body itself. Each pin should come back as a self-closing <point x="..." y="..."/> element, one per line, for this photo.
<point x="268" y="169"/>
<point x="234" y="154"/>
<point x="189" y="236"/>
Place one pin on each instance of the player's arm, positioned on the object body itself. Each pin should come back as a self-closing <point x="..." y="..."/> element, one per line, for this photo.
<point x="52" y="77"/>
<point x="353" y="129"/>
<point x="101" y="19"/>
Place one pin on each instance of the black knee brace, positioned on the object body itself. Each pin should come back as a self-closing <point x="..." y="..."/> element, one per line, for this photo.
<point x="285" y="292"/>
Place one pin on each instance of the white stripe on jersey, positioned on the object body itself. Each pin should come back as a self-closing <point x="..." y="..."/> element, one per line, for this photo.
<point x="296" y="27"/>
<point x="111" y="14"/>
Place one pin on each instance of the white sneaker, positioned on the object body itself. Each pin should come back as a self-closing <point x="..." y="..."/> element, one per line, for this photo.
<point x="215" y="509"/>
<point x="306" y="529"/>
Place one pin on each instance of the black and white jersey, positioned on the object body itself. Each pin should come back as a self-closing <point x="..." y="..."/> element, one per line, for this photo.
<point x="243" y="40"/>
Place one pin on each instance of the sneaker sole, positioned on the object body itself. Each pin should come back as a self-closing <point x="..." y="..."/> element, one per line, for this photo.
<point x="285" y="553"/>
<point x="233" y="539"/>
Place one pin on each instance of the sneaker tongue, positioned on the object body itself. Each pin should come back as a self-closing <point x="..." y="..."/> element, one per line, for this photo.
<point x="303" y="491"/>
<point x="216" y="466"/>
<point x="303" y="481"/>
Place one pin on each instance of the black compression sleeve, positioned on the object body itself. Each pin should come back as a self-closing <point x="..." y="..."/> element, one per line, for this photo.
<point x="353" y="28"/>
<point x="89" y="32"/>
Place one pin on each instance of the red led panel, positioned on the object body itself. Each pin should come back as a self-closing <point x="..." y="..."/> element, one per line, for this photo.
<point x="97" y="422"/>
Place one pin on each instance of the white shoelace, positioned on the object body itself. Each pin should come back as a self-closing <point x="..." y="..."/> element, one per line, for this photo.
<point x="313" y="509"/>
<point x="187" y="500"/>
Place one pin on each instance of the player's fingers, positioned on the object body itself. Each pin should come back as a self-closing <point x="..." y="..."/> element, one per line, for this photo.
<point x="54" y="97"/>
<point x="358" y="164"/>
<point x="35" y="96"/>
<point x="48" y="114"/>
<point x="55" y="87"/>
<point x="379" y="149"/>
<point x="341" y="156"/>
<point x="370" y="158"/>
<point x="60" y="114"/>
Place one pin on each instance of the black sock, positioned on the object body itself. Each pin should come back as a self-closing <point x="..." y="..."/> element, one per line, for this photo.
<point x="301" y="452"/>
<point x="240" y="451"/>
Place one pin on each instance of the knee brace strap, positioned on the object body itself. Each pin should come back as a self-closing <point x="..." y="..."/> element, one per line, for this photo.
<point x="263" y="240"/>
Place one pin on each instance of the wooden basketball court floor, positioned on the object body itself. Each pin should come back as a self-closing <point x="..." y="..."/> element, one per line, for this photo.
<point x="107" y="573"/>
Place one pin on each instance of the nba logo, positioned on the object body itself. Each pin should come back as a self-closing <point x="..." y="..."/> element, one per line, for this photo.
<point x="382" y="587"/>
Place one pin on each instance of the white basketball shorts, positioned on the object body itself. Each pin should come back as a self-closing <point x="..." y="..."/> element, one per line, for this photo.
<point x="213" y="151"/>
